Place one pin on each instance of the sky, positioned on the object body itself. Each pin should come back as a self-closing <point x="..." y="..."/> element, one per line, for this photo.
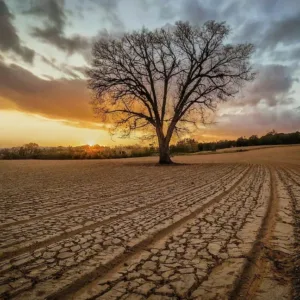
<point x="45" y="46"/>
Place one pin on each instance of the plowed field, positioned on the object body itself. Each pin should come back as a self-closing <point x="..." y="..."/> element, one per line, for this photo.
<point x="222" y="226"/>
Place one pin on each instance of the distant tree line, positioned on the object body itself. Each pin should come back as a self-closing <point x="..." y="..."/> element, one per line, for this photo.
<point x="34" y="151"/>
<point x="271" y="138"/>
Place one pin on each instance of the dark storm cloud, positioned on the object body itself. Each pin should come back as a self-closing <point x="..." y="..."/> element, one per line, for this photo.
<point x="286" y="32"/>
<point x="54" y="15"/>
<point x="268" y="24"/>
<point x="53" y="10"/>
<point x="9" y="40"/>
<point x="273" y="86"/>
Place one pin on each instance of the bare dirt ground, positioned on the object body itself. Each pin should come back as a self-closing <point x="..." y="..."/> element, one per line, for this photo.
<point x="223" y="226"/>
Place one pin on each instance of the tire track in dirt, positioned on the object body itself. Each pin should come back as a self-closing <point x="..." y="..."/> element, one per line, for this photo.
<point x="87" y="270"/>
<point x="117" y="196"/>
<point x="255" y="267"/>
<point x="39" y="244"/>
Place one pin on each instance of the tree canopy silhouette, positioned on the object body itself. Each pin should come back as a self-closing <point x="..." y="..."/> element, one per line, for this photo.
<point x="162" y="80"/>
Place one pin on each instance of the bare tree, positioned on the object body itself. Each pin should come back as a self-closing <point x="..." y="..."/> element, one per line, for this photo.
<point x="161" y="80"/>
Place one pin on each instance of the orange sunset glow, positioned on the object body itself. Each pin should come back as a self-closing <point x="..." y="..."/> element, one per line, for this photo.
<point x="43" y="89"/>
<point x="48" y="132"/>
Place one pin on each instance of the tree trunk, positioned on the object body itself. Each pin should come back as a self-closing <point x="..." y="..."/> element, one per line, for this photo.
<point x="164" y="153"/>
<point x="164" y="148"/>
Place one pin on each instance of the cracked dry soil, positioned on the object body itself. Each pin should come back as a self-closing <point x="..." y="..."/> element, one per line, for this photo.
<point x="221" y="226"/>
